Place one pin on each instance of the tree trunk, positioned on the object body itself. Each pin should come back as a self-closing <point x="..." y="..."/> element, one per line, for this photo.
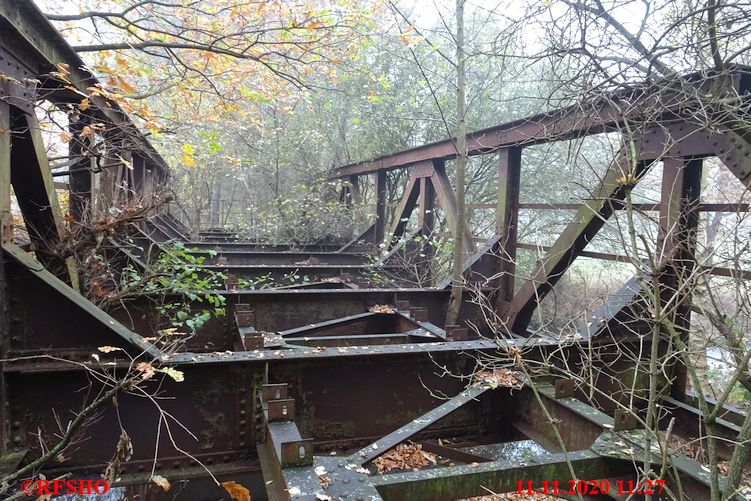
<point x="461" y="163"/>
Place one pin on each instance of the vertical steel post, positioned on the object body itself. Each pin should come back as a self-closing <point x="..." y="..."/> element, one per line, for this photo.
<point x="676" y="245"/>
<point x="506" y="220"/>
<point x="380" y="206"/>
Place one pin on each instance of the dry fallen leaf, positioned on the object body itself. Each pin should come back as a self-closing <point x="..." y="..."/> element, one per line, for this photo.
<point x="405" y="456"/>
<point x="381" y="308"/>
<point x="161" y="482"/>
<point x="495" y="378"/>
<point x="146" y="369"/>
<point x="109" y="349"/>
<point x="236" y="491"/>
<point x="517" y="354"/>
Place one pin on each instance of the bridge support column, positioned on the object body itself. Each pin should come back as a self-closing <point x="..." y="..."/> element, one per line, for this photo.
<point x="380" y="206"/>
<point x="506" y="221"/>
<point x="676" y="246"/>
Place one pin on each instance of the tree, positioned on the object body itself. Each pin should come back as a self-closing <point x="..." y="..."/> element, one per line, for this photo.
<point x="461" y="163"/>
<point x="206" y="41"/>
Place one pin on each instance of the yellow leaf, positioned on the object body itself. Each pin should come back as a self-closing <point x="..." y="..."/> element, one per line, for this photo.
<point x="188" y="161"/>
<point x="66" y="136"/>
<point x="236" y="491"/>
<point x="188" y="149"/>
<point x="174" y="374"/>
<point x="97" y="90"/>
<point x="109" y="349"/>
<point x="73" y="88"/>
<point x="84" y="104"/>
<point x="125" y="86"/>
<point x="404" y="38"/>
<point x="125" y="162"/>
<point x="161" y="482"/>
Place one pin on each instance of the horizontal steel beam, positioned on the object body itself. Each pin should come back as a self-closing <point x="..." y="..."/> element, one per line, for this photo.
<point x="617" y="206"/>
<point x="582" y="119"/>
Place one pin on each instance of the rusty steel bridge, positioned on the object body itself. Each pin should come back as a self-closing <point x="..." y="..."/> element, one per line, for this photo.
<point x="296" y="380"/>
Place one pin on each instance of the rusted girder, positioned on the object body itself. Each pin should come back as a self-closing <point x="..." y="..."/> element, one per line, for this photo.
<point x="579" y="120"/>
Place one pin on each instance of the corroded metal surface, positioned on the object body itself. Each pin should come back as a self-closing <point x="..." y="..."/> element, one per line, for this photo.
<point x="309" y="375"/>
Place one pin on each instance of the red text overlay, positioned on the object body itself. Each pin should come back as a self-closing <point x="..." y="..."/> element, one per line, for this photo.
<point x="593" y="487"/>
<point x="64" y="486"/>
